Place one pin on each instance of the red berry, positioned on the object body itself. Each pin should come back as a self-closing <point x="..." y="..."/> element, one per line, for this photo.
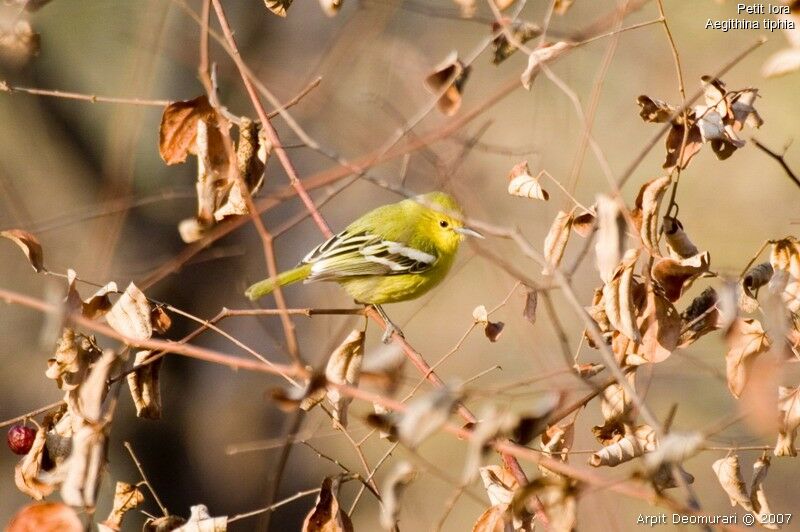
<point x="20" y="439"/>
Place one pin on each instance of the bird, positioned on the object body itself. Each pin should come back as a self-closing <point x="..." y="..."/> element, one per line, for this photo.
<point x="394" y="253"/>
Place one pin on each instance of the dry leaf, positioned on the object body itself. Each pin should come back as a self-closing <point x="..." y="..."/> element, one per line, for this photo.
<point x="29" y="245"/>
<point x="556" y="240"/>
<point x="396" y="482"/>
<point x="278" y="7"/>
<point x="785" y="260"/>
<point x="746" y="340"/>
<point x="70" y="364"/>
<point x="96" y="305"/>
<point x="756" y="277"/>
<point x="588" y="370"/>
<point x="327" y="516"/>
<point x="678" y="242"/>
<point x="757" y="496"/>
<point x="493" y="330"/>
<point x="730" y="478"/>
<point x="789" y="407"/>
<point x="531" y="302"/>
<point x="200" y="520"/>
<point x="556" y="442"/>
<point x="584" y="224"/>
<point x="560" y="7"/>
<point x="521" y="31"/>
<point x="144" y="386"/>
<point x="675" y="276"/>
<point x="45" y="517"/>
<point x="640" y="440"/>
<point x="655" y="111"/>
<point x="649" y="203"/>
<point x="499" y="483"/>
<point x="126" y="498"/>
<point x="544" y="53"/>
<point x="611" y="237"/>
<point x="480" y="314"/>
<point x="618" y="296"/>
<point x="659" y="326"/>
<point x="26" y="472"/>
<point x="130" y="315"/>
<point x="344" y="367"/>
<point x="557" y="496"/>
<point x="700" y="317"/>
<point x="163" y="524"/>
<point x="522" y="184"/>
<point x="493" y="519"/>
<point x="448" y="79"/>
<point x="178" y="130"/>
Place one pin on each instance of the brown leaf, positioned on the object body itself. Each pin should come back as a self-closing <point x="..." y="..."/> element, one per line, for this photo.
<point x="278" y="7"/>
<point x="521" y="31"/>
<point x="45" y="517"/>
<point x="730" y="478"/>
<point x="655" y="111"/>
<point x="746" y="340"/>
<point x="659" y="326"/>
<point x="168" y="523"/>
<point x="178" y="131"/>
<point x="144" y="386"/>
<point x="344" y="367"/>
<point x="785" y="260"/>
<point x="700" y="317"/>
<point x="394" y="486"/>
<point x="29" y="245"/>
<point x="557" y="441"/>
<point x="649" y="203"/>
<point x="556" y="240"/>
<point x="584" y="224"/>
<point x="743" y="111"/>
<point x="756" y="277"/>
<point x="557" y="496"/>
<point x="757" y="496"/>
<point x="126" y="498"/>
<point x="618" y="297"/>
<point x="70" y="364"/>
<point x="130" y="315"/>
<point x="678" y="241"/>
<point x="448" y="79"/>
<point x="500" y="484"/>
<point x="493" y="519"/>
<point x="640" y="440"/>
<point x="588" y="370"/>
<point x="521" y="183"/>
<point x="26" y="472"/>
<point x="789" y="407"/>
<point x="326" y="516"/>
<point x="531" y="302"/>
<point x="676" y="276"/>
<point x="493" y="330"/>
<point x="610" y="238"/>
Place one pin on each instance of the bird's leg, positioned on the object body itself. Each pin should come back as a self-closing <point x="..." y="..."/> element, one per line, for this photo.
<point x="391" y="328"/>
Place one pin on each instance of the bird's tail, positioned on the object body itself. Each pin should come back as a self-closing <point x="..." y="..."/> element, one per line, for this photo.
<point x="262" y="288"/>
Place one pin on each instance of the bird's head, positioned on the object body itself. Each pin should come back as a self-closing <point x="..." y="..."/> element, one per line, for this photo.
<point x="445" y="220"/>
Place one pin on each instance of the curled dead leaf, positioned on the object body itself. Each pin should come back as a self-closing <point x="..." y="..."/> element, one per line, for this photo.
<point x="556" y="495"/>
<point x="531" y="302"/>
<point x="556" y="240"/>
<point x="130" y="315"/>
<point x="678" y="241"/>
<point x="700" y="317"/>
<point x="126" y="498"/>
<point x="278" y="7"/>
<point x="730" y="478"/>
<point x="756" y="277"/>
<point x="584" y="224"/>
<point x="611" y="236"/>
<point x="178" y="130"/>
<point x="327" y="516"/>
<point x="144" y="386"/>
<point x="758" y="498"/>
<point x="785" y="261"/>
<point x="746" y="340"/>
<point x="544" y="53"/>
<point x="448" y="80"/>
<point x="344" y="367"/>
<point x="675" y="276"/>
<point x="26" y="472"/>
<point x="655" y="111"/>
<point x="29" y="245"/>
<point x="521" y="183"/>
<point x="789" y="407"/>
<point x="638" y="441"/>
<point x="648" y="204"/>
<point x="521" y="32"/>
<point x="618" y="297"/>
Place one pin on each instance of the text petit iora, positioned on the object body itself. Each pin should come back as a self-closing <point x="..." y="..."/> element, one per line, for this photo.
<point x="771" y="24"/>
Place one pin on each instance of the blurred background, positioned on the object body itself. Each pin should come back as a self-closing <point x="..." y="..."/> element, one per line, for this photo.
<point x="68" y="166"/>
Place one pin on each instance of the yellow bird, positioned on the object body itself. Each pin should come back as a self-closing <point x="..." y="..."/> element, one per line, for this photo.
<point x="393" y="253"/>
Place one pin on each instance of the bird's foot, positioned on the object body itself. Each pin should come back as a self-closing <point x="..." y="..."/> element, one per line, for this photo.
<point x="390" y="330"/>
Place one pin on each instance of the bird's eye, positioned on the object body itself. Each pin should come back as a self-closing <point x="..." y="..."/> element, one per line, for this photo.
<point x="443" y="223"/>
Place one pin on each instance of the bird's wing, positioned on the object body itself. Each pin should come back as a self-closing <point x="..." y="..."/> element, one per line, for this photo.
<point x="350" y="254"/>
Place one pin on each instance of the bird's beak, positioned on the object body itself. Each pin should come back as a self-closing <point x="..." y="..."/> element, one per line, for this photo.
<point x="469" y="232"/>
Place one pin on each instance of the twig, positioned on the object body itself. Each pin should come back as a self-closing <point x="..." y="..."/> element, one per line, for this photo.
<point x="33" y="413"/>
<point x="145" y="480"/>
<point x="780" y="157"/>
<point x="92" y="98"/>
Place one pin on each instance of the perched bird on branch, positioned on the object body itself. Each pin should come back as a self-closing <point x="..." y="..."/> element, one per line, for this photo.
<point x="393" y="253"/>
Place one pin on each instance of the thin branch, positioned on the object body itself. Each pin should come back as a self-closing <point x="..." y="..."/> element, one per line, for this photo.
<point x="780" y="157"/>
<point x="145" y="480"/>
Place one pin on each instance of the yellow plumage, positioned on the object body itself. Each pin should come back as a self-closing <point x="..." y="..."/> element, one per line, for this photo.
<point x="393" y="253"/>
